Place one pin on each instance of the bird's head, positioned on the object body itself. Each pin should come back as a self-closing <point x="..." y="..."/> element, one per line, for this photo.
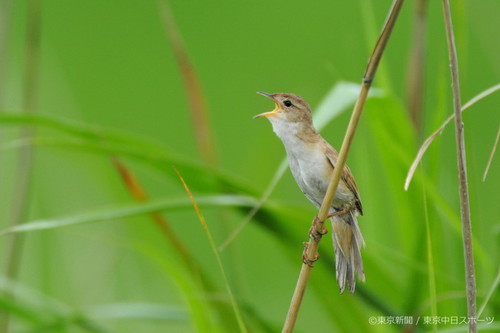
<point x="288" y="108"/>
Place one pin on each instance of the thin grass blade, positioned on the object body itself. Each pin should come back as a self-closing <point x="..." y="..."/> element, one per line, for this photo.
<point x="216" y="253"/>
<point x="195" y="96"/>
<point x="492" y="290"/>
<point x="490" y="159"/>
<point x="130" y="210"/>
<point x="431" y="138"/>
<point x="41" y="311"/>
<point x="120" y="143"/>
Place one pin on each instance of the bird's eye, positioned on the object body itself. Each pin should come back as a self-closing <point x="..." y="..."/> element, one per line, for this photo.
<point x="287" y="103"/>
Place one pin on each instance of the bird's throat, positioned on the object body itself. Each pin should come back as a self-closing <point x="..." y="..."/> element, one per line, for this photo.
<point x="295" y="133"/>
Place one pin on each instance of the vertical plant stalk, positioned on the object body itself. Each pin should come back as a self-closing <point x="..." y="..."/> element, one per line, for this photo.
<point x="462" y="173"/>
<point x="195" y="97"/>
<point x="5" y="18"/>
<point x="312" y="248"/>
<point x="415" y="80"/>
<point x="19" y="206"/>
<point x="430" y="257"/>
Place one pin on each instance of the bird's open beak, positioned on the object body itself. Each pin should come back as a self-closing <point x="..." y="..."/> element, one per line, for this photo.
<point x="271" y="113"/>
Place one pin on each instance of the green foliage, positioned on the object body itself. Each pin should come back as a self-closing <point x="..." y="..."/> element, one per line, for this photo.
<point x="109" y="86"/>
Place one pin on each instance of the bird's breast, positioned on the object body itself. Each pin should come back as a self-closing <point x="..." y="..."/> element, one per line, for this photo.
<point x="311" y="170"/>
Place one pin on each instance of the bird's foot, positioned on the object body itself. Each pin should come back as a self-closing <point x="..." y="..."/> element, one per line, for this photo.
<point x="305" y="257"/>
<point x="340" y="212"/>
<point x="314" y="233"/>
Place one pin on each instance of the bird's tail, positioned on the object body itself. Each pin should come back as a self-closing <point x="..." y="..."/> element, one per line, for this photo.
<point x="347" y="241"/>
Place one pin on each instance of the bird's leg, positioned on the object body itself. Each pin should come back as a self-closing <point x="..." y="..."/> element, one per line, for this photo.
<point x="305" y="257"/>
<point x="314" y="233"/>
<point x="340" y="212"/>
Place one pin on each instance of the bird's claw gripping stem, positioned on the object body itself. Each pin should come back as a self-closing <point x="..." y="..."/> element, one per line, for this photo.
<point x="314" y="233"/>
<point x="305" y="257"/>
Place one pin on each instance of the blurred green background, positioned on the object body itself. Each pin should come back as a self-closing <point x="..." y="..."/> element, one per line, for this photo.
<point x="103" y="83"/>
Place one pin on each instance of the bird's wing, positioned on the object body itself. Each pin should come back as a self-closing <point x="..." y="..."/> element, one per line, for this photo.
<point x="347" y="177"/>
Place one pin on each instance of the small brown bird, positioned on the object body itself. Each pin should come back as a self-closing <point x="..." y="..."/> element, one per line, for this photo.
<point x="312" y="161"/>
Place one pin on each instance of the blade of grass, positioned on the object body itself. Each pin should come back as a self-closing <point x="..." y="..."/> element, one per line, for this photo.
<point x="125" y="144"/>
<point x="29" y="302"/>
<point x="430" y="258"/>
<point x="490" y="159"/>
<point x="5" y="27"/>
<point x="493" y="288"/>
<point x="77" y="129"/>
<point x="41" y="311"/>
<point x="341" y="97"/>
<point x="20" y="196"/>
<point x="20" y="311"/>
<point x="196" y="299"/>
<point x="195" y="97"/>
<point x="453" y="220"/>
<point x="216" y="253"/>
<point x="371" y="28"/>
<point x="130" y="210"/>
<point x="470" y="276"/>
<point x="431" y="138"/>
<point x="222" y="308"/>
<point x="207" y="177"/>
<point x="138" y="192"/>
<point x="416" y="66"/>
<point x="267" y="193"/>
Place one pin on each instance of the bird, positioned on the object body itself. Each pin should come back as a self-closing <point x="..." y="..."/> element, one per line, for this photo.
<point x="312" y="161"/>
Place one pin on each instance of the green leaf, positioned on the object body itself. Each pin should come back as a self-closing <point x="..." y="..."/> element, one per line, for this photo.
<point x="108" y="141"/>
<point x="130" y="210"/>
<point x="342" y="96"/>
<point x="39" y="310"/>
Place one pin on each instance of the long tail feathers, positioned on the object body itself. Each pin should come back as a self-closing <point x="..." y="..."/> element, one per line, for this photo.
<point x="347" y="241"/>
